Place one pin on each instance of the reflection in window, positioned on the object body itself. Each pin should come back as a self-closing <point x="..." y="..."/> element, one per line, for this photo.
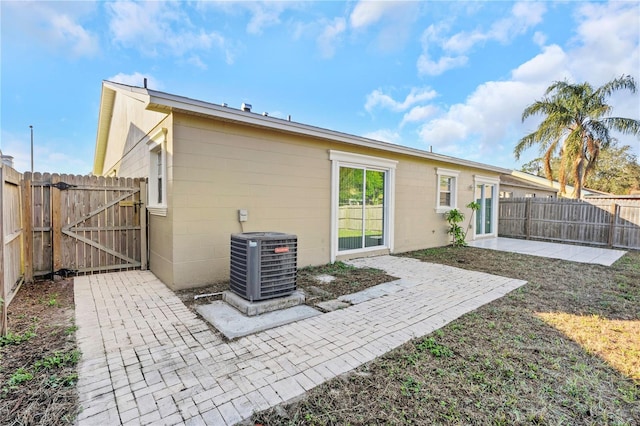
<point x="360" y="208"/>
<point x="445" y="191"/>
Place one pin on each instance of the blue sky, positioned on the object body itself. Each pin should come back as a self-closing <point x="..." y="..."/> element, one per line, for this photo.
<point x="451" y="75"/>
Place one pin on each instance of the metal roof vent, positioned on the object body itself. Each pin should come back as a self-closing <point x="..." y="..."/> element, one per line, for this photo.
<point x="246" y="107"/>
<point x="263" y="265"/>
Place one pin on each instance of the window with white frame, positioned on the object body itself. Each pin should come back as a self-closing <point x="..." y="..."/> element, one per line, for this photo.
<point x="157" y="202"/>
<point x="362" y="202"/>
<point x="447" y="194"/>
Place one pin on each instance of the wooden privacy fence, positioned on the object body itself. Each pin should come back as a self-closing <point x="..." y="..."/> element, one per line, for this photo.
<point x="11" y="267"/>
<point x="604" y="222"/>
<point x="83" y="224"/>
<point x="350" y="217"/>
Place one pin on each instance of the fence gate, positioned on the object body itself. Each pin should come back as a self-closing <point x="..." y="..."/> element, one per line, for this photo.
<point x="84" y="224"/>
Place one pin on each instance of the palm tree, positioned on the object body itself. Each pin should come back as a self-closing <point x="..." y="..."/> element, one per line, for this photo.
<point x="576" y="126"/>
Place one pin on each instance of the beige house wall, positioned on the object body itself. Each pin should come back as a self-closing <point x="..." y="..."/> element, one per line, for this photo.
<point x="215" y="168"/>
<point x="130" y="124"/>
<point x="284" y="182"/>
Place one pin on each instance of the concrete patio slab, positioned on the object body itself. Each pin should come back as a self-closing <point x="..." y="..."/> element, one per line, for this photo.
<point x="574" y="253"/>
<point x="233" y="323"/>
<point x="148" y="359"/>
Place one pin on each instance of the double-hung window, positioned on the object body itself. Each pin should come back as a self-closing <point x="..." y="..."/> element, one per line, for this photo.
<point x="157" y="202"/>
<point x="447" y="189"/>
<point x="362" y="199"/>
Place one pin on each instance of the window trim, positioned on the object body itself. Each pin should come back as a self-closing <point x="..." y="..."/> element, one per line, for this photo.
<point x="346" y="159"/>
<point x="455" y="174"/>
<point x="157" y="143"/>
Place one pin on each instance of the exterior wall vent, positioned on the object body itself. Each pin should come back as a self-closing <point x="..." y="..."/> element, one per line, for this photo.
<point x="263" y="265"/>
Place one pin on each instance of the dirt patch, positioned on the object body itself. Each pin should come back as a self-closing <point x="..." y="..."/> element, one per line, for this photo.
<point x="501" y="364"/>
<point x="348" y="280"/>
<point x="39" y="356"/>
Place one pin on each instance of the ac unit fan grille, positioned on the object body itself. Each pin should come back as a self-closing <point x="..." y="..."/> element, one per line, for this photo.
<point x="263" y="265"/>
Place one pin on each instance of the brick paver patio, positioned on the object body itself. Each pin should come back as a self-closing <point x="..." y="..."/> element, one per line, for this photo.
<point x="146" y="358"/>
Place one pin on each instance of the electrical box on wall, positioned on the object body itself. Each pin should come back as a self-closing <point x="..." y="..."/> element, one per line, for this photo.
<point x="243" y="215"/>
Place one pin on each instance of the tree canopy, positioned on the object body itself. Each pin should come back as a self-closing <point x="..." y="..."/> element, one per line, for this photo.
<point x="575" y="128"/>
<point x="616" y="172"/>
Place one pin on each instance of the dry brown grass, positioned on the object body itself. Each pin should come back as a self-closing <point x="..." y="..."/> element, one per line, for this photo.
<point x="616" y="341"/>
<point x="513" y="361"/>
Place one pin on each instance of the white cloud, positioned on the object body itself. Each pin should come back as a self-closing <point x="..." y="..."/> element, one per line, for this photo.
<point x="156" y="28"/>
<point x="46" y="154"/>
<point x="539" y="38"/>
<point x="195" y="60"/>
<point x="608" y="36"/>
<point x="426" y="65"/>
<point x="369" y="12"/>
<point x="417" y="95"/>
<point x="54" y="25"/>
<point x="384" y="135"/>
<point x="419" y="113"/>
<point x="81" y="41"/>
<point x="606" y="45"/>
<point x="429" y="67"/>
<point x="393" y="21"/>
<point x="330" y="36"/>
<point x="264" y="15"/>
<point x="524" y="15"/>
<point x="136" y="79"/>
<point x="490" y="118"/>
<point x="550" y="65"/>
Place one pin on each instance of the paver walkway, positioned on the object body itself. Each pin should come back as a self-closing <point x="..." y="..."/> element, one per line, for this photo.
<point x="146" y="358"/>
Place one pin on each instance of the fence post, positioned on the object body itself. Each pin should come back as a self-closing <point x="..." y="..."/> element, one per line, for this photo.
<point x="27" y="227"/>
<point x="3" y="285"/>
<point x="143" y="224"/>
<point x="613" y="218"/>
<point x="527" y="219"/>
<point x="56" y="225"/>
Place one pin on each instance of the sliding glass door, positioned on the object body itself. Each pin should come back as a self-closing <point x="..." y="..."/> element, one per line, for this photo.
<point x="485" y="217"/>
<point x="361" y="208"/>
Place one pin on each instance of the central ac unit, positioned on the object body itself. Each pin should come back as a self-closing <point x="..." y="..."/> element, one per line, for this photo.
<point x="263" y="265"/>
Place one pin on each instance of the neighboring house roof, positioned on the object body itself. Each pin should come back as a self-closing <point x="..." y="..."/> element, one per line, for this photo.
<point x="553" y="184"/>
<point x="166" y="102"/>
<point x="510" y="180"/>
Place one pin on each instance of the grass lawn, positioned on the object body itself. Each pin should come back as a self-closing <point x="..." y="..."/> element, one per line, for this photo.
<point x="563" y="349"/>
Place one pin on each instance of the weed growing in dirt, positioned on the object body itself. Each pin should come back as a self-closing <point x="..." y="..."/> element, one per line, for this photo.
<point x="434" y="348"/>
<point x="57" y="360"/>
<point x="38" y="374"/>
<point x="17" y="338"/>
<point x="65" y="381"/>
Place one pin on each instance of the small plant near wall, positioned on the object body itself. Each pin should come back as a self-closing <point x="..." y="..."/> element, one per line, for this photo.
<point x="474" y="206"/>
<point x="454" y="217"/>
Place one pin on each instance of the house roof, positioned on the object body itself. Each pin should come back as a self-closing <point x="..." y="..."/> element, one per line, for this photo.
<point x="165" y="102"/>
<point x="552" y="184"/>
<point x="508" y="179"/>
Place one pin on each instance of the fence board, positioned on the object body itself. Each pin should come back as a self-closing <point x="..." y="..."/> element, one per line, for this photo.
<point x="603" y="222"/>
<point x="86" y="227"/>
<point x="11" y="240"/>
